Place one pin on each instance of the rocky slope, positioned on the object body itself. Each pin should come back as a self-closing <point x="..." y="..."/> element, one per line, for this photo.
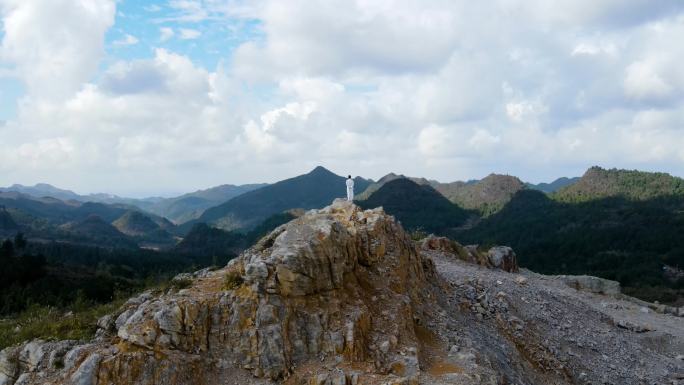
<point x="342" y="296"/>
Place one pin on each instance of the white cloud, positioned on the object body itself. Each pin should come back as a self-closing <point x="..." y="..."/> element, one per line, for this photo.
<point x="445" y="89"/>
<point x="165" y="33"/>
<point x="55" y="45"/>
<point x="311" y="88"/>
<point x="127" y="40"/>
<point x="45" y="153"/>
<point x="525" y="110"/>
<point x="643" y="80"/>
<point x="323" y="38"/>
<point x="152" y="8"/>
<point x="483" y="139"/>
<point x="189" y="34"/>
<point x="190" y="10"/>
<point x="434" y="141"/>
<point x="592" y="49"/>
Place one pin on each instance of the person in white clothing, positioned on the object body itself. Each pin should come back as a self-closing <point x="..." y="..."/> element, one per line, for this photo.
<point x="350" y="188"/>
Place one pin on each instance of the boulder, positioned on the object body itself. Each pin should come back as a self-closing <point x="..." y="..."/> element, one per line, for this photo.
<point x="503" y="257"/>
<point x="591" y="284"/>
<point x="444" y="244"/>
<point x="86" y="374"/>
<point x="497" y="257"/>
<point x="9" y="365"/>
<point x="473" y="254"/>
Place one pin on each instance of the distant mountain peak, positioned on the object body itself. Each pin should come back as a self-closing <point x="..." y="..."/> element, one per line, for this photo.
<point x="486" y="196"/>
<point x="500" y="177"/>
<point x="389" y="177"/>
<point x="553" y="186"/>
<point x="41" y="190"/>
<point x="313" y="190"/>
<point x="319" y="170"/>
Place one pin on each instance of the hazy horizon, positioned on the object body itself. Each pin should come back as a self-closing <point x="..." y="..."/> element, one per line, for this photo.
<point x="169" y="194"/>
<point x="160" y="97"/>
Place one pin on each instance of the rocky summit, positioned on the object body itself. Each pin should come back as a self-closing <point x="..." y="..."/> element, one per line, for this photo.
<point x="342" y="296"/>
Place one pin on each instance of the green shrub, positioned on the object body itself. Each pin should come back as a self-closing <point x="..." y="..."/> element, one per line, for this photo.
<point x="180" y="284"/>
<point x="418" y="235"/>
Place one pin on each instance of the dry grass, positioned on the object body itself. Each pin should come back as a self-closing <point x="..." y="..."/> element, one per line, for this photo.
<point x="232" y="280"/>
<point x="441" y="367"/>
<point x="50" y="323"/>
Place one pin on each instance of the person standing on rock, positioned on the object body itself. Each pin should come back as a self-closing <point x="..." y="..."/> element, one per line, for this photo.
<point x="350" y="188"/>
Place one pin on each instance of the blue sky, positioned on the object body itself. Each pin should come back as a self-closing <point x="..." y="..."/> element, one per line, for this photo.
<point x="215" y="39"/>
<point x="208" y="41"/>
<point x="159" y="97"/>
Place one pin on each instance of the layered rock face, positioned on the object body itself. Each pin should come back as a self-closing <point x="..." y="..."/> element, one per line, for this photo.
<point x="342" y="296"/>
<point x="339" y="286"/>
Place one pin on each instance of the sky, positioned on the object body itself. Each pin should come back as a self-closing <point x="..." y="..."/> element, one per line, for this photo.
<point x="161" y="97"/>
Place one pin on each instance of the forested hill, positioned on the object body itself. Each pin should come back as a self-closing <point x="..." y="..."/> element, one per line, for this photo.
<point x="616" y="224"/>
<point x="373" y="187"/>
<point x="599" y="183"/>
<point x="486" y="196"/>
<point x="313" y="190"/>
<point x="417" y="207"/>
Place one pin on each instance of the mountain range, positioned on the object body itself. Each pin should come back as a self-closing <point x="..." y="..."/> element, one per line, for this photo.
<point x="484" y="195"/>
<point x="178" y="209"/>
<point x="619" y="224"/>
<point x="51" y="219"/>
<point x="190" y="206"/>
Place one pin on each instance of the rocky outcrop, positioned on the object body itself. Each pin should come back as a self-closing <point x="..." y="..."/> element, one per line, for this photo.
<point x="338" y="284"/>
<point x="503" y="257"/>
<point x="591" y="284"/>
<point x="444" y="244"/>
<point x="497" y="257"/>
<point x="342" y="296"/>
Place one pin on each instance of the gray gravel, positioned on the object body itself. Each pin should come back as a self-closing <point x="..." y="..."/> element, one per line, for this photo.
<point x="566" y="335"/>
